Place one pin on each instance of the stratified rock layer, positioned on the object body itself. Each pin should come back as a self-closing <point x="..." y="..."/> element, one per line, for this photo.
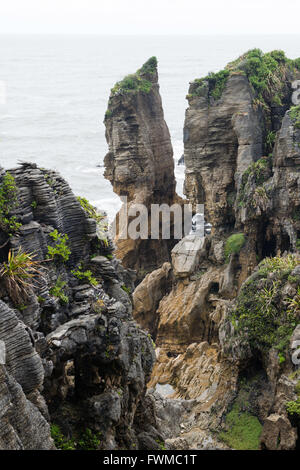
<point x="139" y="163"/>
<point x="74" y="356"/>
<point x="220" y="142"/>
<point x="201" y="353"/>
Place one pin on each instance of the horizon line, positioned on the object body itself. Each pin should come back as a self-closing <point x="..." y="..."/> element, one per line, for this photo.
<point x="26" y="33"/>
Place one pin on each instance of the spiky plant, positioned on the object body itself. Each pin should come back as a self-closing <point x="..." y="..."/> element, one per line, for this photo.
<point x="18" y="275"/>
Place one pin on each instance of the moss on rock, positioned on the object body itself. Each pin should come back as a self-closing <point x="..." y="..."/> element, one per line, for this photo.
<point x="263" y="317"/>
<point x="234" y="244"/>
<point x="139" y="81"/>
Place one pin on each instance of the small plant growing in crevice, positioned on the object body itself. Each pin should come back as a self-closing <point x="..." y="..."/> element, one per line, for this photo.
<point x="8" y="202"/>
<point x="90" y="210"/>
<point x="161" y="444"/>
<point x="234" y="244"/>
<point x="60" y="440"/>
<point x="295" y="115"/>
<point x="58" y="291"/>
<point x="89" y="440"/>
<point x="98" y="306"/>
<point x="82" y="440"/>
<point x="126" y="289"/>
<point x="18" y="274"/>
<point x="293" y="408"/>
<point x="60" y="251"/>
<point x="257" y="172"/>
<point x="86" y="276"/>
<point x="270" y="140"/>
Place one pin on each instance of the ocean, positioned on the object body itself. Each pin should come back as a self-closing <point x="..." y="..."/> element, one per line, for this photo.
<point x="57" y="88"/>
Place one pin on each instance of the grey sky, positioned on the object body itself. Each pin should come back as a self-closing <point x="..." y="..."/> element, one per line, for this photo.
<point x="150" y="16"/>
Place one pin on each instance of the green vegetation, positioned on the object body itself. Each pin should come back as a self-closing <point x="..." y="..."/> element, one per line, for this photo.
<point x="85" y="440"/>
<point x="89" y="440"/>
<point x="58" y="291"/>
<point x="90" y="210"/>
<point x="149" y="67"/>
<point x="266" y="74"/>
<point x="270" y="141"/>
<point x="98" y="306"/>
<point x="280" y="265"/>
<point x="216" y="84"/>
<point x="60" y="441"/>
<point x="256" y="173"/>
<point x="126" y="289"/>
<point x="243" y="430"/>
<point x="8" y="202"/>
<point x="100" y="219"/>
<point x="86" y="276"/>
<point x="161" y="444"/>
<point x="34" y="205"/>
<point x="60" y="251"/>
<point x="17" y="275"/>
<point x="295" y="115"/>
<point x="242" y="427"/>
<point x="137" y="81"/>
<point x="261" y="317"/>
<point x="234" y="244"/>
<point x="293" y="408"/>
<point x="108" y="113"/>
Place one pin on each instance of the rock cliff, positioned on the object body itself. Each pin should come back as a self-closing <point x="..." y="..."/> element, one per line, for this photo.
<point x="139" y="163"/>
<point x="223" y="310"/>
<point x="76" y="361"/>
<point x="223" y="327"/>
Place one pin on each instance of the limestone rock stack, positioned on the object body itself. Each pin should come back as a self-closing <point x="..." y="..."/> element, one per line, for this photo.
<point x="139" y="163"/>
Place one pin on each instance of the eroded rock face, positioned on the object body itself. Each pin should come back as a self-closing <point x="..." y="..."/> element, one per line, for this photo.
<point x="221" y="139"/>
<point x="22" y="425"/>
<point x="139" y="163"/>
<point x="74" y="355"/>
<point x="140" y="157"/>
<point x="200" y="352"/>
<point x="147" y="296"/>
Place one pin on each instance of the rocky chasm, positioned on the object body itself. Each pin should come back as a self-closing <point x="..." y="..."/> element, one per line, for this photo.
<point x="145" y="344"/>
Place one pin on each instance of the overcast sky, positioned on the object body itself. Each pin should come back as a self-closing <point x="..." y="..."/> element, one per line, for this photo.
<point x="150" y="16"/>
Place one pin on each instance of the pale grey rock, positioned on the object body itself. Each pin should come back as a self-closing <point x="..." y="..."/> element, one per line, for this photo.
<point x="186" y="255"/>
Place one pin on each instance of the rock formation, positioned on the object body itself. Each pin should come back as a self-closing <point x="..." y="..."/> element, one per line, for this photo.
<point x="75" y="359"/>
<point x="139" y="163"/>
<point x="241" y="140"/>
<point x="224" y="310"/>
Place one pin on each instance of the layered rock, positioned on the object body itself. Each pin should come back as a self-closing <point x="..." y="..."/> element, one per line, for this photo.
<point x="231" y="121"/>
<point x="221" y="139"/>
<point x="22" y="421"/>
<point x="74" y="356"/>
<point x="252" y="201"/>
<point x="139" y="163"/>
